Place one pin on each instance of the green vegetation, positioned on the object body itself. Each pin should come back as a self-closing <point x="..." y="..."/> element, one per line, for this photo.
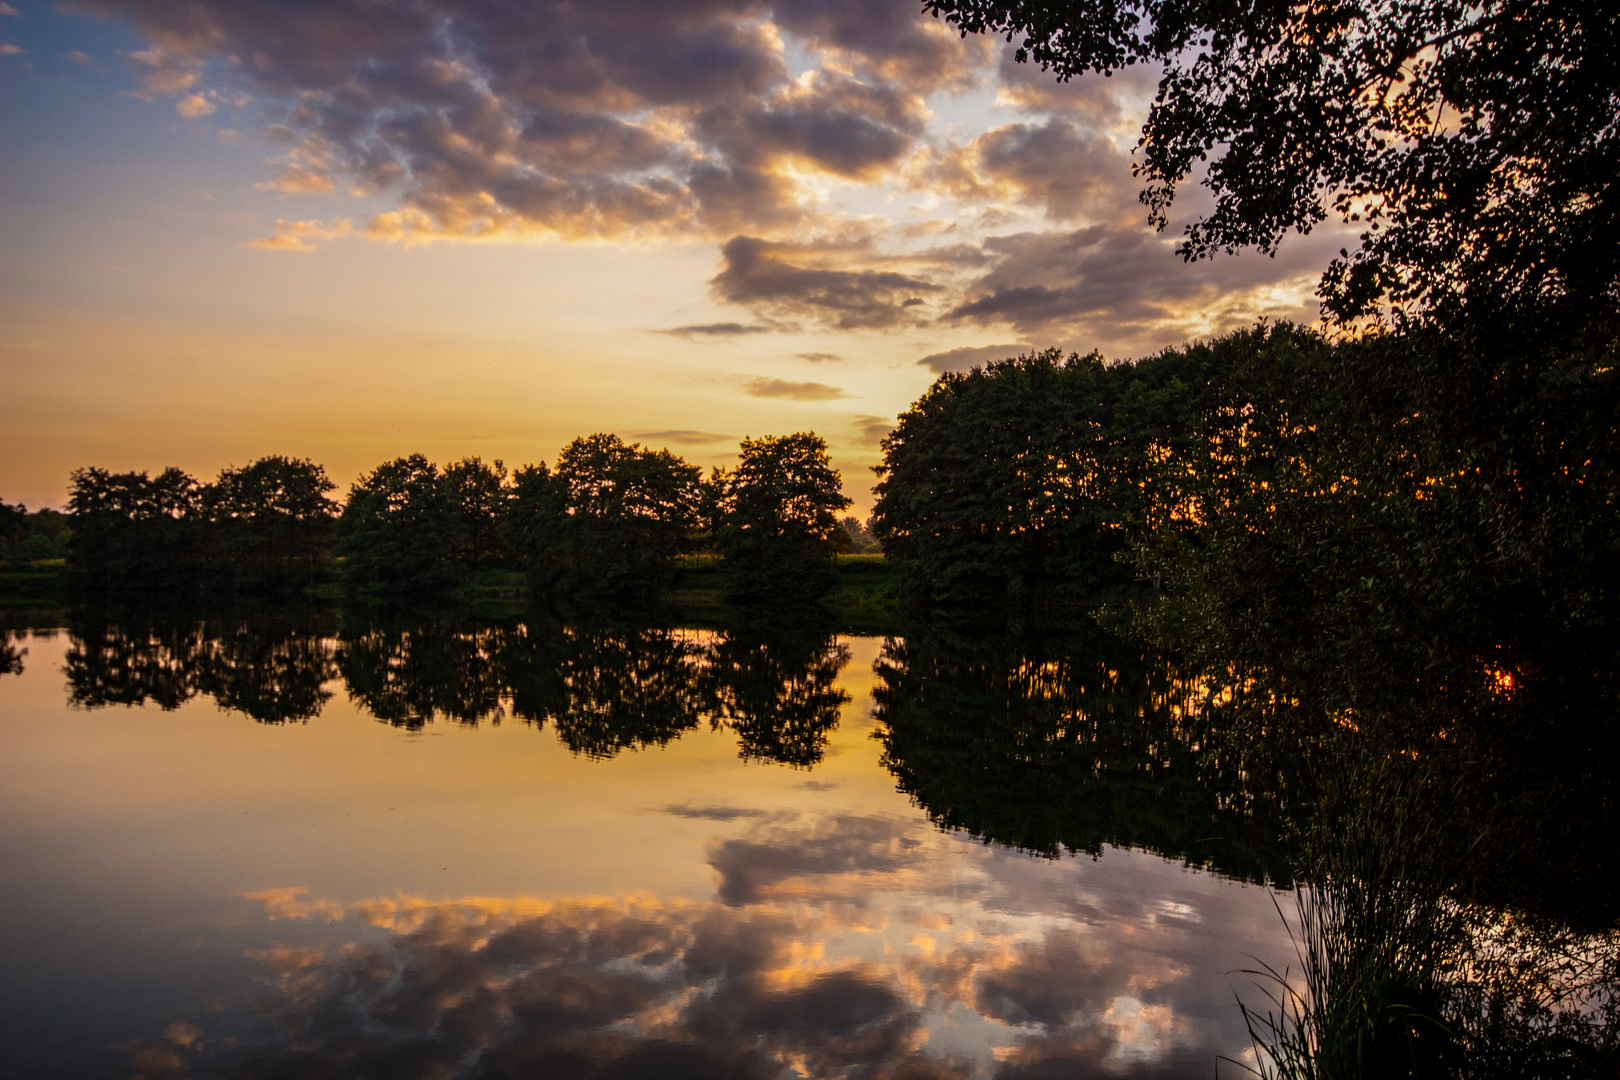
<point x="31" y="538"/>
<point x="776" y="520"/>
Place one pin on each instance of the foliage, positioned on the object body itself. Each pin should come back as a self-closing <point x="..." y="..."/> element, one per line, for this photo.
<point x="32" y="537"/>
<point x="132" y="529"/>
<point x="1364" y="547"/>
<point x="399" y="529"/>
<point x="778" y="518"/>
<point x="481" y="494"/>
<point x="609" y="519"/>
<point x="1026" y="480"/>
<point x="862" y="541"/>
<point x="269" y="520"/>
<point x="1473" y="141"/>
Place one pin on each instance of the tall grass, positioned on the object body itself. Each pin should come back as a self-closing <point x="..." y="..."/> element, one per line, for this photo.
<point x="1393" y="976"/>
<point x="1375" y="941"/>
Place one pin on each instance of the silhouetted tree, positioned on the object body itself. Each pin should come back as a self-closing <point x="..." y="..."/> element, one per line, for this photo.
<point x="778" y="518"/>
<point x="131" y="530"/>
<point x="1472" y="141"/>
<point x="481" y="494"/>
<point x="1028" y="480"/>
<point x="13" y="524"/>
<point x="269" y="522"/>
<point x="609" y="519"/>
<point x="398" y="530"/>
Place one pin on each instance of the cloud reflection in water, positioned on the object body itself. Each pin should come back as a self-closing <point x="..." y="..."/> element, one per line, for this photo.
<point x="843" y="945"/>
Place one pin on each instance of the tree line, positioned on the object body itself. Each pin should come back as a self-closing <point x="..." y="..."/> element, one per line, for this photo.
<point x="608" y="518"/>
<point x="1324" y="521"/>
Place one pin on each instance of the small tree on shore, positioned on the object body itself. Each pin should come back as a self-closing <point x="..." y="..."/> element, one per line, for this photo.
<point x="778" y="518"/>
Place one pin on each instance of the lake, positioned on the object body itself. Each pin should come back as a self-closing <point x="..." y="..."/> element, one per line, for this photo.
<point x="288" y="846"/>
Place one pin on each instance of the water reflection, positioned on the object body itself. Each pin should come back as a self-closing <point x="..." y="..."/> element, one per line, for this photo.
<point x="605" y="687"/>
<point x="1069" y="740"/>
<point x="838" y="940"/>
<point x="273" y="668"/>
<point x="847" y="945"/>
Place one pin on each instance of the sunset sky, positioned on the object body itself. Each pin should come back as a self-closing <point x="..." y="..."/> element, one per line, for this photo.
<point x="354" y="229"/>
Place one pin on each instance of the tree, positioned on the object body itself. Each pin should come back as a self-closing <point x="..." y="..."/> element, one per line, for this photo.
<point x="398" y="530"/>
<point x="1028" y="479"/>
<point x="778" y="518"/>
<point x="131" y="530"/>
<point x="270" y="520"/>
<point x="481" y="493"/>
<point x="13" y="524"/>
<point x="1472" y="140"/>
<point x="610" y="518"/>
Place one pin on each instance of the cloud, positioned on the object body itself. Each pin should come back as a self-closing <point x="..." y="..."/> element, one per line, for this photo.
<point x="7" y="9"/>
<point x="819" y="357"/>
<point x="483" y="119"/>
<point x="783" y="130"/>
<point x="718" y="813"/>
<point x="763" y="275"/>
<point x="870" y="430"/>
<point x="1123" y="289"/>
<point x="684" y="436"/>
<point x="194" y="106"/>
<point x="294" y="179"/>
<point x="968" y="357"/>
<point x="719" y="329"/>
<point x="77" y="57"/>
<point x="798" y="391"/>
<point x="296" y="235"/>
<point x="8" y="49"/>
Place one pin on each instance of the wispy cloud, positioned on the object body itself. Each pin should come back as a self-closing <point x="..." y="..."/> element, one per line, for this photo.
<point x="718" y="329"/>
<point x="798" y="391"/>
<point x="684" y="436"/>
<point x="296" y="235"/>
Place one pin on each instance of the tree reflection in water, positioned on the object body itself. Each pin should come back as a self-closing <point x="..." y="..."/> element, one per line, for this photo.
<point x="606" y="687"/>
<point x="1066" y="739"/>
<point x="273" y="667"/>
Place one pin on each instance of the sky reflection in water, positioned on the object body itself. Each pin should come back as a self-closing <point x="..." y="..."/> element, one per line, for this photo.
<point x="191" y="893"/>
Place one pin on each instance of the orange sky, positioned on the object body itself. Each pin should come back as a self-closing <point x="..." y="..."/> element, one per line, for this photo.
<point x="351" y="230"/>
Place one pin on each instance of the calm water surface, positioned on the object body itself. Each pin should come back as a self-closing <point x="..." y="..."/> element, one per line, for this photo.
<point x="189" y="891"/>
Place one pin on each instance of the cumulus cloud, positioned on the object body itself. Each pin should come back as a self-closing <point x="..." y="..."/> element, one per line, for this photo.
<point x="795" y="281"/>
<point x="606" y="119"/>
<point x="1121" y="288"/>
<point x="798" y="391"/>
<point x="194" y="106"/>
<point x="742" y="122"/>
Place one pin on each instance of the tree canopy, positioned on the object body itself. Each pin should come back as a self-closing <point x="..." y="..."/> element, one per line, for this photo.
<point x="778" y="517"/>
<point x="1474" y="142"/>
